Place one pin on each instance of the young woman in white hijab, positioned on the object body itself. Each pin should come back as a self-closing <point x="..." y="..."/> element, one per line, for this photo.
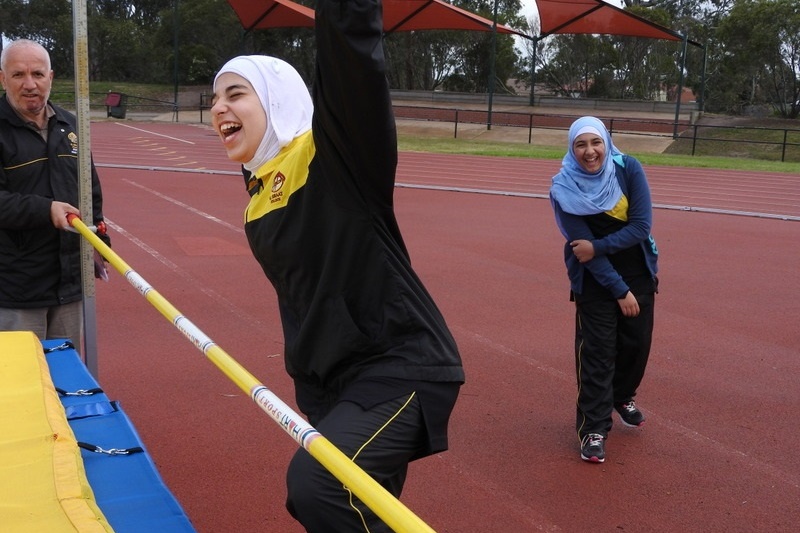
<point x="375" y="367"/>
<point x="602" y="204"/>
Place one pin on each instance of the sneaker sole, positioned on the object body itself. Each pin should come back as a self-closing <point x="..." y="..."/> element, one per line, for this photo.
<point x="592" y="459"/>
<point x="631" y="425"/>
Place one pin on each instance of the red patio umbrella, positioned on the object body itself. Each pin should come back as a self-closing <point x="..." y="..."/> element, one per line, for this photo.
<point x="597" y="17"/>
<point x="258" y="15"/>
<point x="412" y="15"/>
<point x="398" y="15"/>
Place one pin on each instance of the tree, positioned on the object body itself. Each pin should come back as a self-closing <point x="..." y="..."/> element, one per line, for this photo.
<point x="646" y="68"/>
<point x="294" y="45"/>
<point x="421" y="60"/>
<point x="208" y="34"/>
<point x="472" y="74"/>
<point x="759" y="57"/>
<point x="48" y="22"/>
<point x="453" y="59"/>
<point x="118" y="47"/>
<point x="577" y="62"/>
<point x="753" y="48"/>
<point x="614" y="66"/>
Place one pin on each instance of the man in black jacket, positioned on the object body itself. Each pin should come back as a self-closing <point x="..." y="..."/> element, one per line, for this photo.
<point x="40" y="263"/>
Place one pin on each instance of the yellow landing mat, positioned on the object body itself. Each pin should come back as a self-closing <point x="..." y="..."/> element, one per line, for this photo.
<point x="43" y="485"/>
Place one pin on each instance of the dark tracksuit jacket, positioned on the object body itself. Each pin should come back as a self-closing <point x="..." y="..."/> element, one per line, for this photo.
<point x="323" y="228"/>
<point x="40" y="266"/>
<point x="634" y="232"/>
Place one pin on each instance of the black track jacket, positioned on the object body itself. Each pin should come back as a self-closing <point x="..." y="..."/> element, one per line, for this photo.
<point x="351" y="305"/>
<point x="40" y="266"/>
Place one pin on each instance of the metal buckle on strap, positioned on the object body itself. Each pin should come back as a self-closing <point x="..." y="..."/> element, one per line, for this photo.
<point x="79" y="392"/>
<point x="110" y="451"/>
<point x="66" y="345"/>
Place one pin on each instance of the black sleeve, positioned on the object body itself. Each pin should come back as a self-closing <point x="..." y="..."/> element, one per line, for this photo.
<point x="354" y="128"/>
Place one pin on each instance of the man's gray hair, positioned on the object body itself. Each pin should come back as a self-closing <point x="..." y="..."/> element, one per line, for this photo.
<point x="25" y="43"/>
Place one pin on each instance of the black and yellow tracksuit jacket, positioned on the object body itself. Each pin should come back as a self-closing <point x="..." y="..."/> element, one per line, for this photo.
<point x="323" y="228"/>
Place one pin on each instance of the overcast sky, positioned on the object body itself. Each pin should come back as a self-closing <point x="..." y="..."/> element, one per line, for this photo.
<point x="528" y="6"/>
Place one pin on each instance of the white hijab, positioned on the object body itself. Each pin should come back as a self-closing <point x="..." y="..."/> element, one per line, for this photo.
<point x="284" y="97"/>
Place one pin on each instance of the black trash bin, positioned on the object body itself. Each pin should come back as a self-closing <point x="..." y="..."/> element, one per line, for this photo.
<point x="116" y="105"/>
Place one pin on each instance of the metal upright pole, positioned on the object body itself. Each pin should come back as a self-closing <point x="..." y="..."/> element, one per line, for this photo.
<point x="492" y="74"/>
<point x="534" y="55"/>
<point x="703" y="80"/>
<point x="680" y="90"/>
<point x="176" y="26"/>
<point x="81" y="56"/>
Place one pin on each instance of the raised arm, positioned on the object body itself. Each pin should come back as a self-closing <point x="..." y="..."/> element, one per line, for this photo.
<point x="354" y="124"/>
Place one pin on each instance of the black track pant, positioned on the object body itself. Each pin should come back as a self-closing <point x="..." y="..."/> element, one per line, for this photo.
<point x="381" y="441"/>
<point x="611" y="353"/>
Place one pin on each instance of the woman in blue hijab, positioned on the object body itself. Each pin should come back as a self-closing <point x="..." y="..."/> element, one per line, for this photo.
<point x="602" y="206"/>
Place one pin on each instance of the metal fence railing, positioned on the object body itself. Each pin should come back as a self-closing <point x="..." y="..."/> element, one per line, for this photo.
<point x="691" y="136"/>
<point x="774" y="141"/>
<point x="726" y="138"/>
<point x="118" y="104"/>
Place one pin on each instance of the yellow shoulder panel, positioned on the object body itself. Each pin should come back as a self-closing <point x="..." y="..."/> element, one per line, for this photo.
<point x="282" y="176"/>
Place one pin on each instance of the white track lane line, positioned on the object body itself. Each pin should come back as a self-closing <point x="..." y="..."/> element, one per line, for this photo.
<point x="189" y="208"/>
<point x="154" y="133"/>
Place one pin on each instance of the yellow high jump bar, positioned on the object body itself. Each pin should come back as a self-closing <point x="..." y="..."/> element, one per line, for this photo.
<point x="391" y="510"/>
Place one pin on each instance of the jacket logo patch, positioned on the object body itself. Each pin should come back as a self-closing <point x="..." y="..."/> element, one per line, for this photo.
<point x="277" y="185"/>
<point x="73" y="141"/>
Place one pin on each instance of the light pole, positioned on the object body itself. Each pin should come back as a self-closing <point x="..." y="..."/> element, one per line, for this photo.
<point x="532" y="100"/>
<point x="680" y="89"/>
<point x="492" y="67"/>
<point x="176" y="26"/>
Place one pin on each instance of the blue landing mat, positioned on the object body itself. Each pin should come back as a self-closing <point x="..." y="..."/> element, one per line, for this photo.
<point x="127" y="487"/>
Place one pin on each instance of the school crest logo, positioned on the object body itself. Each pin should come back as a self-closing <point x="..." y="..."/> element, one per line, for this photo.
<point x="277" y="185"/>
<point x="73" y="141"/>
<point x="278" y="182"/>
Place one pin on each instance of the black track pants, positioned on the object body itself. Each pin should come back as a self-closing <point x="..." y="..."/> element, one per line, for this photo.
<point x="381" y="441"/>
<point x="611" y="353"/>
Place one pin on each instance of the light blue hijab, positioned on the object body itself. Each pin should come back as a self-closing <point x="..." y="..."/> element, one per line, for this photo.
<point x="579" y="192"/>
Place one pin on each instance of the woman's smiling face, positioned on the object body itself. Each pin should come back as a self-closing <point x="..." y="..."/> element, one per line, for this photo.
<point x="238" y="117"/>
<point x="589" y="150"/>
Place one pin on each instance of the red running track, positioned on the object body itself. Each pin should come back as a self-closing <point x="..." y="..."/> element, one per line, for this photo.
<point x="720" y="394"/>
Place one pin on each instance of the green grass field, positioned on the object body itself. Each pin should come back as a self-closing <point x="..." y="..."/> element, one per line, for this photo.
<point x="457" y="146"/>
